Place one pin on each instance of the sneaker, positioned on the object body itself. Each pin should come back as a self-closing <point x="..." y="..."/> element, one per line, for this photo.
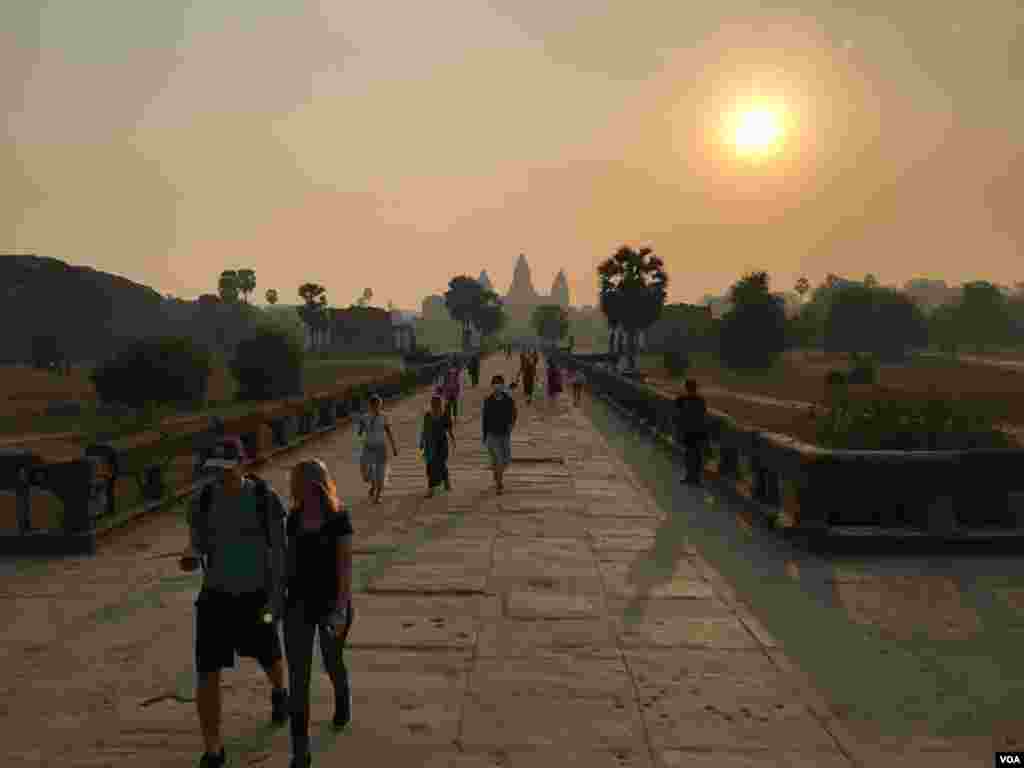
<point x="279" y="707"/>
<point x="210" y="760"/>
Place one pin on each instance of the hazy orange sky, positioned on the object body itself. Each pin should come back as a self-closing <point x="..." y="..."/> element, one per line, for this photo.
<point x="392" y="144"/>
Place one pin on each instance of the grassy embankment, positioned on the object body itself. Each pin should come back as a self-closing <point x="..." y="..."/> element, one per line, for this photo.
<point x="25" y="393"/>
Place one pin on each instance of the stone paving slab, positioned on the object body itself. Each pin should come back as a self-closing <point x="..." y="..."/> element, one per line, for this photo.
<point x="555" y="758"/>
<point x="509" y="637"/>
<point x="674" y="758"/>
<point x="522" y="722"/>
<point x="553" y="605"/>
<point x="553" y="674"/>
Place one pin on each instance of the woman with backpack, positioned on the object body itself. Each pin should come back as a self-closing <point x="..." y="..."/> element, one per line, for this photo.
<point x="435" y="434"/>
<point x="319" y="597"/>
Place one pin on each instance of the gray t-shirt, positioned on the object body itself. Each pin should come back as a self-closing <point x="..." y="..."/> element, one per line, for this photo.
<point x="374" y="429"/>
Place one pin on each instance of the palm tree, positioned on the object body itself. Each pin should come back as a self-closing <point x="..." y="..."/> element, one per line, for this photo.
<point x="228" y="287"/>
<point x="633" y="292"/>
<point x="314" y="311"/>
<point x="246" y="283"/>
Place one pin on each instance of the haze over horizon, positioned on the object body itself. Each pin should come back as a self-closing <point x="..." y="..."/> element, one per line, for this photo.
<point x="394" y="145"/>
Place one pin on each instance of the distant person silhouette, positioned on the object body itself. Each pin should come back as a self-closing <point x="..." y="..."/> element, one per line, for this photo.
<point x="692" y="432"/>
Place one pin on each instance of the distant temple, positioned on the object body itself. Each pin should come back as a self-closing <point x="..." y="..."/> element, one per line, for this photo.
<point x="521" y="292"/>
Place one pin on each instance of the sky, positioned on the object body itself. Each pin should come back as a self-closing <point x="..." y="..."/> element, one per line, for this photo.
<point x="393" y="145"/>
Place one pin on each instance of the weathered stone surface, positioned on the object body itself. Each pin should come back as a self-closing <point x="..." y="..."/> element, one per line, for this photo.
<point x="567" y="550"/>
<point x="426" y="578"/>
<point x="656" y="670"/>
<point x="550" y="673"/>
<point x="670" y="727"/>
<point x="512" y="637"/>
<point x="548" y="525"/>
<point x="534" y="721"/>
<point x="413" y="632"/>
<point x="684" y="623"/>
<point x="389" y="671"/>
<point x="645" y="579"/>
<point x="624" y="508"/>
<point x="553" y="605"/>
<point x="551" y="757"/>
<point x="674" y="758"/>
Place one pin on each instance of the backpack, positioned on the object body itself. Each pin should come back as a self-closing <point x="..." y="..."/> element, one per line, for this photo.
<point x="267" y="501"/>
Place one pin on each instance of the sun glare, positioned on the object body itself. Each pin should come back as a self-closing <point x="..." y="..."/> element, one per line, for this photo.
<point x="757" y="131"/>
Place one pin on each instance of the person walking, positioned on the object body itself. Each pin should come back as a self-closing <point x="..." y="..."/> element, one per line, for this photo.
<point x="319" y="597"/>
<point x="691" y="432"/>
<point x="435" y="434"/>
<point x="579" y="380"/>
<point x="453" y="390"/>
<point x="528" y="374"/>
<point x="376" y="426"/>
<point x="499" y="419"/>
<point x="236" y="533"/>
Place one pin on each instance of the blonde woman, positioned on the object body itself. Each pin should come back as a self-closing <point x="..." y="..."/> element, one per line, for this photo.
<point x="319" y="596"/>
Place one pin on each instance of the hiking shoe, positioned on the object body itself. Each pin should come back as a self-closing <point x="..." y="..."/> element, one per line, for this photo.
<point x="279" y="707"/>
<point x="211" y="760"/>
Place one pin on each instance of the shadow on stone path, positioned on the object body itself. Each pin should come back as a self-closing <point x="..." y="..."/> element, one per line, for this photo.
<point x="566" y="622"/>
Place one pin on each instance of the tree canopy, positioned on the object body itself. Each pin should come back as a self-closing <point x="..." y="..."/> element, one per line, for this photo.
<point x="246" y="282"/>
<point x="879" y="321"/>
<point x="472" y="305"/>
<point x="983" y="314"/>
<point x="633" y="286"/>
<point x="753" y="333"/>
<point x="228" y="286"/>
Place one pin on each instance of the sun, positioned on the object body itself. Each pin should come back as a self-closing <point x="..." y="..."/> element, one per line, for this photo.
<point x="757" y="131"/>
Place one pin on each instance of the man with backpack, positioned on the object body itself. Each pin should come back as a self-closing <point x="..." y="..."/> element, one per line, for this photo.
<point x="236" y="534"/>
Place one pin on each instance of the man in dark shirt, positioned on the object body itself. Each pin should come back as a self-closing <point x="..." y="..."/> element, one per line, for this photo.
<point x="499" y="418"/>
<point x="691" y="431"/>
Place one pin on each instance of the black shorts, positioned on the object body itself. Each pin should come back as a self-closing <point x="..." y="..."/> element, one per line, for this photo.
<point x="229" y="625"/>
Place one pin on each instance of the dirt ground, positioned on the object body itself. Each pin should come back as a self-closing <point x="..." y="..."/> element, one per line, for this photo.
<point x="778" y="400"/>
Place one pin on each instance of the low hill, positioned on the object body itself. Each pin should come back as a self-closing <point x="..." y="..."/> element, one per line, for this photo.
<point x="93" y="313"/>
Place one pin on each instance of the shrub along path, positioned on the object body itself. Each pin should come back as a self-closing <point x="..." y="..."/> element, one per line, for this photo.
<point x="570" y="620"/>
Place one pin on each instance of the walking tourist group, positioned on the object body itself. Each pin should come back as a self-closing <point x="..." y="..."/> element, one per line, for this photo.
<point x="271" y="569"/>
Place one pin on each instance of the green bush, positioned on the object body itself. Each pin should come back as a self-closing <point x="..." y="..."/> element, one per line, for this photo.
<point x="159" y="370"/>
<point x="927" y="424"/>
<point x="268" y="365"/>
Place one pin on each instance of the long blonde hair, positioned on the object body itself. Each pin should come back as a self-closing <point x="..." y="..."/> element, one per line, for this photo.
<point x="315" y="473"/>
